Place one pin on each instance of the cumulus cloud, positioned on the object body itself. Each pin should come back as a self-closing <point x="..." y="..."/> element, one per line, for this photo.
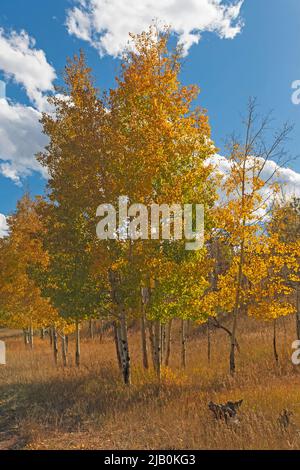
<point x="288" y="179"/>
<point x="3" y="226"/>
<point x="105" y="24"/>
<point x="20" y="131"/>
<point x="21" y="138"/>
<point x="26" y="65"/>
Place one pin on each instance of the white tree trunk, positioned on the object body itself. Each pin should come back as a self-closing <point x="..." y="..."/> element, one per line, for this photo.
<point x="124" y="348"/>
<point x="31" y="336"/>
<point x="117" y="344"/>
<point x="26" y="337"/>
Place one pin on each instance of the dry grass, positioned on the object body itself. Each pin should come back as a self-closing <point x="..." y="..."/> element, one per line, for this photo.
<point x="47" y="407"/>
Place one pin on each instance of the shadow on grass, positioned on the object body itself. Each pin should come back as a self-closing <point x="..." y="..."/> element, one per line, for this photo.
<point x="76" y="401"/>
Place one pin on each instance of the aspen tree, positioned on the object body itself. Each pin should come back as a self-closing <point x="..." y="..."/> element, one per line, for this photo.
<point x="145" y="140"/>
<point x="271" y="272"/>
<point x="20" y="296"/>
<point x="158" y="145"/>
<point x="240" y="215"/>
<point x="75" y="136"/>
<point x="285" y="221"/>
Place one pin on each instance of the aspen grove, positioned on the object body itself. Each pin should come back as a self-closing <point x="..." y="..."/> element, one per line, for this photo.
<point x="149" y="140"/>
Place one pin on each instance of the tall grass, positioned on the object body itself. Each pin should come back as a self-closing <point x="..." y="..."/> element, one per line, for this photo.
<point x="43" y="406"/>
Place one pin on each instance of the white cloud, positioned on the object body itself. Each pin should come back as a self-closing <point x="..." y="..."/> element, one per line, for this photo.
<point x="27" y="66"/>
<point x="3" y="226"/>
<point x="106" y="23"/>
<point x="21" y="138"/>
<point x="21" y="134"/>
<point x="288" y="179"/>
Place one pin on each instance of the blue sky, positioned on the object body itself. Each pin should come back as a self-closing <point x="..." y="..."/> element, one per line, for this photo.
<point x="250" y="50"/>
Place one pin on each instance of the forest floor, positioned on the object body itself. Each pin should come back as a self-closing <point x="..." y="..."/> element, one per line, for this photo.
<point x="43" y="406"/>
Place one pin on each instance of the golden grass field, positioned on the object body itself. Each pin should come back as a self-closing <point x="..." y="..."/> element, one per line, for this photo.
<point x="43" y="406"/>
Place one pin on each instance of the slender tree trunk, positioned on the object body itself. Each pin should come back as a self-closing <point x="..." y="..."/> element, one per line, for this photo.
<point x="122" y="338"/>
<point x="144" y="340"/>
<point x="77" y="350"/>
<point x="157" y="347"/>
<point x="26" y="338"/>
<point x="240" y="270"/>
<point x="67" y="344"/>
<point x="124" y="348"/>
<point x="152" y="342"/>
<point x="275" y="343"/>
<point x="236" y="311"/>
<point x="91" y="328"/>
<point x="64" y="350"/>
<point x="162" y="342"/>
<point x="31" y="336"/>
<point x="298" y="312"/>
<point x="117" y="344"/>
<point x="183" y="343"/>
<point x="50" y="336"/>
<point x="42" y="333"/>
<point x="55" y="345"/>
<point x="101" y="331"/>
<point x="168" y="343"/>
